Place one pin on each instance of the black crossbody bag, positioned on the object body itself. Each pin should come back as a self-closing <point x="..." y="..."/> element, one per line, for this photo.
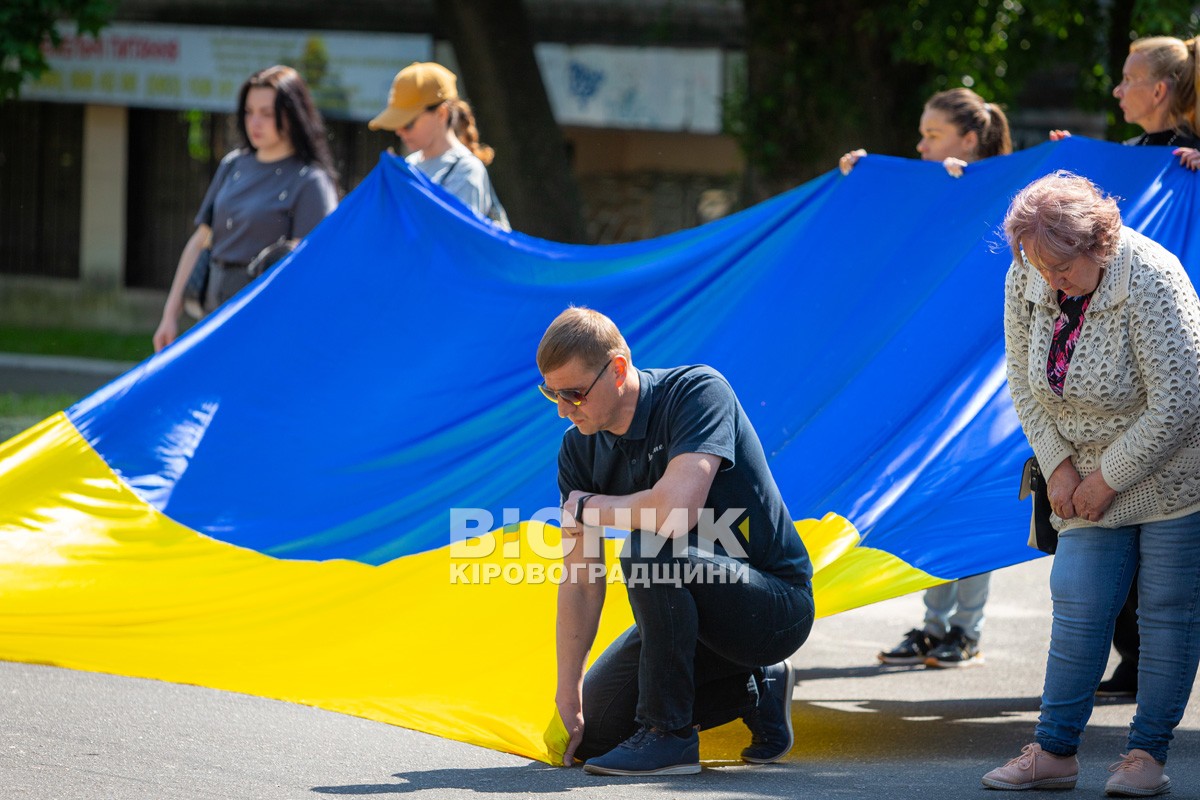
<point x="1042" y="534"/>
<point x="197" y="284"/>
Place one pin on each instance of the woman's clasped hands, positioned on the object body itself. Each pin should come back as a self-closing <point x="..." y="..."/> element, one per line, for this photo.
<point x="1071" y="496"/>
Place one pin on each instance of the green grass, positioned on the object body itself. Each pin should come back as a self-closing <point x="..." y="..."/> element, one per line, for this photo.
<point x="21" y="411"/>
<point x="88" y="344"/>
<point x="33" y="405"/>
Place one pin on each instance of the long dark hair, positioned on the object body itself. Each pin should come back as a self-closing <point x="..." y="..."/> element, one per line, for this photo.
<point x="296" y="115"/>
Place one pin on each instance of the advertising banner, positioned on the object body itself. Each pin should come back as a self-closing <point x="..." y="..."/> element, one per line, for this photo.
<point x="202" y="67"/>
<point x="647" y="88"/>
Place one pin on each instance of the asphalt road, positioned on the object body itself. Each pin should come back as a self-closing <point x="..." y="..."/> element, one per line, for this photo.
<point x="863" y="731"/>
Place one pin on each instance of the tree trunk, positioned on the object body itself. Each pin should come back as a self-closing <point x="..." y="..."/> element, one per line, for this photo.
<point x="1120" y="22"/>
<point x="533" y="177"/>
<point x="819" y="83"/>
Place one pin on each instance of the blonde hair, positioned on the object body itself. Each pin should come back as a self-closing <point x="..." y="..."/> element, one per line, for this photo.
<point x="1063" y="216"/>
<point x="462" y="120"/>
<point x="1176" y="63"/>
<point x="581" y="333"/>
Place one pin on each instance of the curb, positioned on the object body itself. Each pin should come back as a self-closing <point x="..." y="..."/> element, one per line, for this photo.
<point x="76" y="364"/>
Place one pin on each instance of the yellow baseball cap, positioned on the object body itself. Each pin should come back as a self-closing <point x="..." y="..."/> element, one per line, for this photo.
<point x="416" y="87"/>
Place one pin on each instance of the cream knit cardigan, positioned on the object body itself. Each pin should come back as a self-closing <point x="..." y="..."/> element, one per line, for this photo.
<point x="1131" y="399"/>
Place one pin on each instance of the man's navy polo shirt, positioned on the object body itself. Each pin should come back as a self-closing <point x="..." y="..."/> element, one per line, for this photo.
<point x="692" y="410"/>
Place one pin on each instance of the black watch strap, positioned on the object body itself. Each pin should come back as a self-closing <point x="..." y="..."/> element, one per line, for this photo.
<point x="579" y="508"/>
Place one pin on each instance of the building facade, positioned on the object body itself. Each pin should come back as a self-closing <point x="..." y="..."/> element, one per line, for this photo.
<point x="104" y="161"/>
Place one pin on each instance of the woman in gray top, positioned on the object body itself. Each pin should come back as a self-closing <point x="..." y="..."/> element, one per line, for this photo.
<point x="279" y="186"/>
<point x="438" y="130"/>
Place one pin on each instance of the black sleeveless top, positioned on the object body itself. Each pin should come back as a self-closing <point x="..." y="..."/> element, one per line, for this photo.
<point x="1167" y="138"/>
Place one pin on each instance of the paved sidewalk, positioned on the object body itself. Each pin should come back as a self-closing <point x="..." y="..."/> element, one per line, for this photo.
<point x="863" y="731"/>
<point x="22" y="373"/>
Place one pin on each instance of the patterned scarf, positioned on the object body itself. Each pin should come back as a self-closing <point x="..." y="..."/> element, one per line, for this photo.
<point x="1066" y="333"/>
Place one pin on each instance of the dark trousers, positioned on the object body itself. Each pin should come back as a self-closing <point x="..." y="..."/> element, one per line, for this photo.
<point x="223" y="283"/>
<point x="694" y="655"/>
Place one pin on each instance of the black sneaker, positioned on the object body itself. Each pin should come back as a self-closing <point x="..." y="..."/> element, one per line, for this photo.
<point x="956" y="650"/>
<point x="649" y="752"/>
<point x="912" y="650"/>
<point x="1123" y="682"/>
<point x="770" y="723"/>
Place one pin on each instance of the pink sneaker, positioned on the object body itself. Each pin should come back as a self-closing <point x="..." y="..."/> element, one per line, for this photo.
<point x="1137" y="775"/>
<point x="1035" y="769"/>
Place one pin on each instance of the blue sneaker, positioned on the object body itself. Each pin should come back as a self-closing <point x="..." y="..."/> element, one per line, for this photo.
<point x="649" y="752"/>
<point x="770" y="723"/>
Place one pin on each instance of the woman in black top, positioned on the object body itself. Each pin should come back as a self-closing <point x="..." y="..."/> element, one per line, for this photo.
<point x="1157" y="93"/>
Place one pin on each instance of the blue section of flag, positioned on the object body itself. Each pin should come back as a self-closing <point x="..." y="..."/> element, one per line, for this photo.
<point x="384" y="375"/>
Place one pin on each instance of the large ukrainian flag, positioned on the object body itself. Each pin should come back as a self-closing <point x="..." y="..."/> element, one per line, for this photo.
<point x="268" y="505"/>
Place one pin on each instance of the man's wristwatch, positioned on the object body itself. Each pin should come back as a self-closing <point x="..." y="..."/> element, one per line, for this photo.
<point x="579" y="508"/>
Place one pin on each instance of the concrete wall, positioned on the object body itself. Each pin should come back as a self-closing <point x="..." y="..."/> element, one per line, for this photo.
<point x="55" y="303"/>
<point x="102" y="239"/>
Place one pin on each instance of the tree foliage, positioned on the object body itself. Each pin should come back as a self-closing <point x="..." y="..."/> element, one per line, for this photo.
<point x="817" y="82"/>
<point x="1004" y="44"/>
<point x="26" y="25"/>
<point x="988" y="43"/>
<point x="825" y="76"/>
<point x="494" y="48"/>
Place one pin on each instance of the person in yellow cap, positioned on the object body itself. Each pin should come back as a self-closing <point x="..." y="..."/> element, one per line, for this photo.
<point x="438" y="130"/>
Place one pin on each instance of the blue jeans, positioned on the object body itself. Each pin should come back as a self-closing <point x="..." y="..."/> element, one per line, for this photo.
<point x="694" y="655"/>
<point x="1089" y="582"/>
<point x="957" y="604"/>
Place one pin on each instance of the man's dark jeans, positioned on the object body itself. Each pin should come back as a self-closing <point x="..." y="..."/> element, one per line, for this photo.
<point x="695" y="652"/>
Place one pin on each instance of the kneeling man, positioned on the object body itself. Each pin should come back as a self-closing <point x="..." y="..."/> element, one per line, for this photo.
<point x="718" y="579"/>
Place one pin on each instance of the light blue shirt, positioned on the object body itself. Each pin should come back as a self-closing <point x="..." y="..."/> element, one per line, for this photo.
<point x="463" y="175"/>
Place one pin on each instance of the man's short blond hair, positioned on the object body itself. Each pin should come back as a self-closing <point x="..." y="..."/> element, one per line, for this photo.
<point x="580" y="333"/>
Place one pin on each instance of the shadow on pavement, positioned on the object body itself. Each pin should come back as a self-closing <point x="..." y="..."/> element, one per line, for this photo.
<point x="532" y="778"/>
<point x="843" y="748"/>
